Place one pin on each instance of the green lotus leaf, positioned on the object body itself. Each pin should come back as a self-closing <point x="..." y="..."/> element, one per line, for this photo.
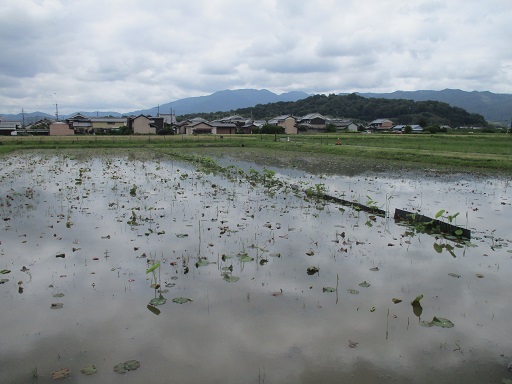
<point x="230" y="279"/>
<point x="181" y="300"/>
<point x="120" y="368"/>
<point x="132" y="365"/>
<point x="245" y="258"/>
<point x="158" y="301"/>
<point x="89" y="369"/>
<point x="441" y="322"/>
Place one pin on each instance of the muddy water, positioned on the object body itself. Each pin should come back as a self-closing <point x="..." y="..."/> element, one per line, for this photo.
<point x="89" y="227"/>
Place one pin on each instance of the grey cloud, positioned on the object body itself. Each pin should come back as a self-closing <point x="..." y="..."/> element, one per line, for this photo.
<point x="159" y="51"/>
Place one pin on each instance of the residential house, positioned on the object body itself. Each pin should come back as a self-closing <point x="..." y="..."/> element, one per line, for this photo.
<point x="225" y="128"/>
<point x="145" y="125"/>
<point x="401" y="128"/>
<point x="312" y="122"/>
<point x="200" y="128"/>
<point x="106" y="124"/>
<point x="381" y="125"/>
<point x="181" y="127"/>
<point x="8" y="127"/>
<point x="40" y="127"/>
<point x="344" y="125"/>
<point x="60" y="128"/>
<point x="288" y="122"/>
<point x="79" y="123"/>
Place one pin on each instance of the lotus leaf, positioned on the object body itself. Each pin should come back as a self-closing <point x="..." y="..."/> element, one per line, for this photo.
<point x="153" y="309"/>
<point x="89" y="369"/>
<point x="312" y="270"/>
<point x="2" y="281"/>
<point x="120" y="368"/>
<point x="5" y="271"/>
<point x="454" y="275"/>
<point x="202" y="262"/>
<point x="328" y="289"/>
<point x="160" y="300"/>
<point x="132" y="365"/>
<point x="395" y="300"/>
<point x="57" y="305"/>
<point x="230" y="279"/>
<point x="244" y="257"/>
<point x="364" y="284"/>
<point x="181" y="235"/>
<point x="441" y="322"/>
<point x="181" y="300"/>
<point x="417" y="309"/>
<point x="353" y="291"/>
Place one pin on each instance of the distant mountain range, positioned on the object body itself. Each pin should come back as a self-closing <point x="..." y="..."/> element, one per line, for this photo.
<point x="494" y="107"/>
<point x="223" y="101"/>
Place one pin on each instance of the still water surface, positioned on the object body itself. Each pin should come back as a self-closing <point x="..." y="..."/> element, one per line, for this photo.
<point x="89" y="227"/>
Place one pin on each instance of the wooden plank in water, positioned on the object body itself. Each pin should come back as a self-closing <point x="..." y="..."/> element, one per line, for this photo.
<point x="431" y="224"/>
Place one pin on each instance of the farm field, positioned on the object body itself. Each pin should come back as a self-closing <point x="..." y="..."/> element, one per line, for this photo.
<point x="224" y="264"/>
<point x="462" y="152"/>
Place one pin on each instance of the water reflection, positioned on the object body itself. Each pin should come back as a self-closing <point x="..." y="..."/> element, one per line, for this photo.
<point x="242" y="331"/>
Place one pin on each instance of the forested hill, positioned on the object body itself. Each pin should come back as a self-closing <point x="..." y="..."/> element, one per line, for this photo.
<point x="367" y="109"/>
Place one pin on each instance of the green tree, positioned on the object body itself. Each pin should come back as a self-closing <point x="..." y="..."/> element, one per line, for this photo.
<point x="271" y="129"/>
<point x="330" y="128"/>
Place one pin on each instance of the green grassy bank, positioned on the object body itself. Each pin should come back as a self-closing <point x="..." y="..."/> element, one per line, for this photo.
<point x="465" y="152"/>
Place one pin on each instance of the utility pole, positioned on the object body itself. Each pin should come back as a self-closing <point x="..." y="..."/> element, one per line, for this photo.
<point x="22" y="118"/>
<point x="57" y="111"/>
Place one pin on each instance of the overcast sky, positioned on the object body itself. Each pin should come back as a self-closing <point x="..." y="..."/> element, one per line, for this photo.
<point x="126" y="55"/>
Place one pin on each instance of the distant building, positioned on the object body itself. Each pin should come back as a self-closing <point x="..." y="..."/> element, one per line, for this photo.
<point x="288" y="122"/>
<point x="312" y="122"/>
<point x="7" y="127"/>
<point x="381" y="125"/>
<point x="146" y="125"/>
<point x="414" y="128"/>
<point x="107" y="124"/>
<point x="59" y="128"/>
<point x="79" y="123"/>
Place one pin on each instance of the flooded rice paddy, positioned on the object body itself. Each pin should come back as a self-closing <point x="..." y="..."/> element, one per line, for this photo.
<point x="171" y="272"/>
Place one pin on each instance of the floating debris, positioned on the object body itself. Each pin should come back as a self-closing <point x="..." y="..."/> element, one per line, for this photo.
<point x="61" y="373"/>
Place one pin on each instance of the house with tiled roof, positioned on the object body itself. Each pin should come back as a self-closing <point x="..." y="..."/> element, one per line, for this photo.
<point x="381" y="125"/>
<point x="145" y="125"/>
<point x="288" y="122"/>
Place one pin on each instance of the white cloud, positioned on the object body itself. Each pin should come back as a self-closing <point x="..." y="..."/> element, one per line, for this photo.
<point x="128" y="55"/>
